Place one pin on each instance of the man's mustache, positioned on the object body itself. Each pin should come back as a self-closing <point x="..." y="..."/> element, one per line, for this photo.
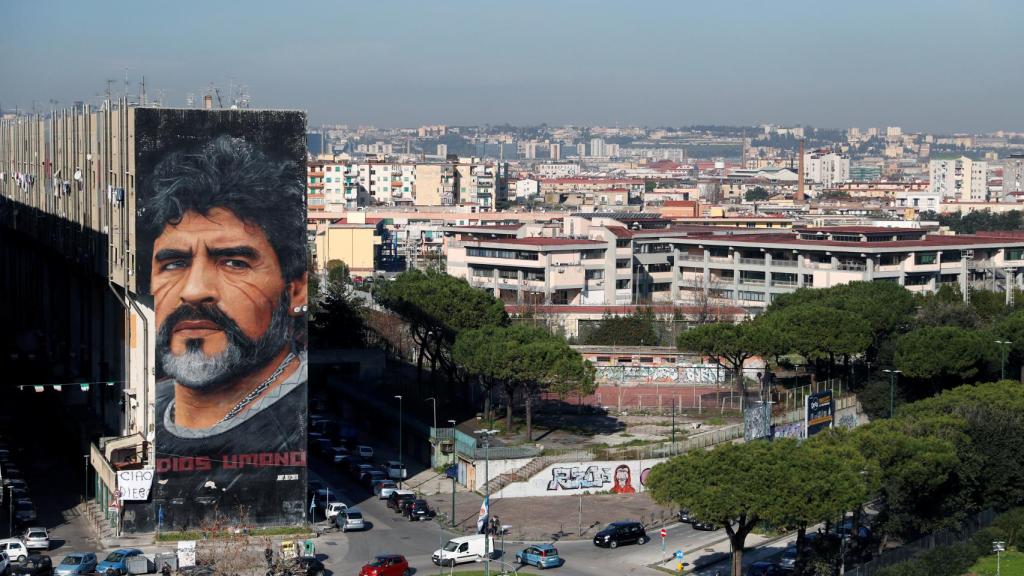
<point x="207" y="312"/>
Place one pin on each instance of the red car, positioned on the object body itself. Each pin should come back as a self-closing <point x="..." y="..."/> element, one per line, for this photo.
<point x="387" y="565"/>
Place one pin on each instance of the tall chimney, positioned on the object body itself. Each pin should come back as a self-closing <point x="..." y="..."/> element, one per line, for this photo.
<point x="800" y="175"/>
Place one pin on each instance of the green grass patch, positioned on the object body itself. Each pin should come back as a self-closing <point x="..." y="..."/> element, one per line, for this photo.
<point x="203" y="535"/>
<point x="1011" y="563"/>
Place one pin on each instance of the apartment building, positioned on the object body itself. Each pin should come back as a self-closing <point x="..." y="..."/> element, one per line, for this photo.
<point x="959" y="178"/>
<point x="751" y="270"/>
<point x="1013" y="174"/>
<point x="826" y="167"/>
<point x="338" y="185"/>
<point x="580" y="191"/>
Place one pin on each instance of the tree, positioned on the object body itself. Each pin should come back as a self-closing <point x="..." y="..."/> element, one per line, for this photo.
<point x="339" y="322"/>
<point x="944" y="355"/>
<point x="756" y="194"/>
<point x="338" y="275"/>
<point x="819" y="332"/>
<point x="524" y="359"/>
<point x="729" y="345"/>
<point x="1011" y="329"/>
<point x="636" y="329"/>
<point x="438" y="307"/>
<point x="732" y="485"/>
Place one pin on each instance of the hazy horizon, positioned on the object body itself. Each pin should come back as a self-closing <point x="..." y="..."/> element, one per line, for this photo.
<point x="942" y="67"/>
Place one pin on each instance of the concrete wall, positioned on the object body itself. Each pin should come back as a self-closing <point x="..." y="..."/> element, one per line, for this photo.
<point x="586" y="477"/>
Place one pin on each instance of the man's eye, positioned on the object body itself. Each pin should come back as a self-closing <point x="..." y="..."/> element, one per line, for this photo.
<point x="175" y="265"/>
<point x="236" y="264"/>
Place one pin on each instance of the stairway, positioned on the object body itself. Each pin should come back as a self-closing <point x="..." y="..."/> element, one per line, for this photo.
<point x="535" y="465"/>
<point x="96" y="518"/>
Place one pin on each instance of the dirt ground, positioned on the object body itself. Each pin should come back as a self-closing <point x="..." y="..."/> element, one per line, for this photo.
<point x="554" y="517"/>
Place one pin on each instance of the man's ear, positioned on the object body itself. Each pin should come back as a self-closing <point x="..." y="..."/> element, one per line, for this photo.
<point x="298" y="291"/>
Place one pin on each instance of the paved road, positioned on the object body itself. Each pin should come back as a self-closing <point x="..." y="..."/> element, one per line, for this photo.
<point x="391" y="533"/>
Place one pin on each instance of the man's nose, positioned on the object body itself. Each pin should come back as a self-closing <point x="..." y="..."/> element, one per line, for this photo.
<point x="200" y="284"/>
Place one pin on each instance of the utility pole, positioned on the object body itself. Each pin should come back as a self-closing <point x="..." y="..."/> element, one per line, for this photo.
<point x="452" y="422"/>
<point x="998" y="547"/>
<point x="399" y="397"/>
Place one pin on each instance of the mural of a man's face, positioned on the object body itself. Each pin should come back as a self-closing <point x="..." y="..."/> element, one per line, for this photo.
<point x="622" y="476"/>
<point x="222" y="305"/>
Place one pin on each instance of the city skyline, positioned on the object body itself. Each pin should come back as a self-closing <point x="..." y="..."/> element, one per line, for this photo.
<point x="937" y="67"/>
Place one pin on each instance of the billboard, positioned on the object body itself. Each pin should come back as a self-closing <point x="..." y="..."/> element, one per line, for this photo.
<point x="221" y="257"/>
<point x="819" y="412"/>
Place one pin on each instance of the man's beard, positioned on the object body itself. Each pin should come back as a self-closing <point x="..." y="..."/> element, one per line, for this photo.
<point x="242" y="355"/>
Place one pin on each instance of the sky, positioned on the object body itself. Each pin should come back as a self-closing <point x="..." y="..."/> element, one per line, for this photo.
<point x="938" y="66"/>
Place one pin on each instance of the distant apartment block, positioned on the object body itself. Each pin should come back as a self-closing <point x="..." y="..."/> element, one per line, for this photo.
<point x="348" y="185"/>
<point x="1013" y="174"/>
<point x="826" y="168"/>
<point x="959" y="178"/>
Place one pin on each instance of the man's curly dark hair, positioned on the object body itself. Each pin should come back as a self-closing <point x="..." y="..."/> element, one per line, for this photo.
<point x="232" y="174"/>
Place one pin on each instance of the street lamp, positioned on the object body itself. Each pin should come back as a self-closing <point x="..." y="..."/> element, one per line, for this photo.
<point x="433" y="401"/>
<point x="1003" y="345"/>
<point x="486" y="435"/>
<point x="893" y="375"/>
<point x="452" y="422"/>
<point x="399" y="397"/>
<point x="85" y="480"/>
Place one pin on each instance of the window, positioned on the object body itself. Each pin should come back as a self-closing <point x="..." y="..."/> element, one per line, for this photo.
<point x="592" y="254"/>
<point x="604" y="358"/>
<point x="624" y="360"/>
<point x="622" y="284"/>
<point x="622" y="263"/>
<point x="924" y="258"/>
<point x="622" y="243"/>
<point x="646" y="360"/>
<point x="1015" y="253"/>
<point x="594" y="274"/>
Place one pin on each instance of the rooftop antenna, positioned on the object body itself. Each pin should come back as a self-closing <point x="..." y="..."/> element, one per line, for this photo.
<point x="142" y="91"/>
<point x="190" y="100"/>
<point x="110" y="82"/>
<point x="126" y="84"/>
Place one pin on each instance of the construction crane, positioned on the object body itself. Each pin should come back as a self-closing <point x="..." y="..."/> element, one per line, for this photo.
<point x="216" y="91"/>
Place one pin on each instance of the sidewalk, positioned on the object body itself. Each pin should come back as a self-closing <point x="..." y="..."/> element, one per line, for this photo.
<point x="717" y="557"/>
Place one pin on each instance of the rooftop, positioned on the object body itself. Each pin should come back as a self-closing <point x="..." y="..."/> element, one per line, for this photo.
<point x="540" y="241"/>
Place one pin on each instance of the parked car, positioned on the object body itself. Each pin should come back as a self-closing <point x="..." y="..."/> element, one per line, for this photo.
<point x="684" y="516"/>
<point x="333" y="509"/>
<point x="368" y="478"/>
<point x="396" y="470"/>
<point x="621" y="533"/>
<point x="419" y="510"/>
<point x="398" y="497"/>
<point x="463" y="549"/>
<point x="386" y="565"/>
<point x="15" y="548"/>
<point x="337" y="453"/>
<point x="75" y="564"/>
<point x="365" y="452"/>
<point x="384" y="488"/>
<point x="35" y="565"/>
<point x="323" y="445"/>
<point x="36" y="538"/>
<point x="540" y="555"/>
<point x="5" y="563"/>
<point x="703" y="525"/>
<point x="788" y="560"/>
<point x="765" y="569"/>
<point x="116" y="563"/>
<point x="361" y="469"/>
<point x="323" y="496"/>
<point x="350" y="519"/>
<point x="24" y="511"/>
<point x="310" y="566"/>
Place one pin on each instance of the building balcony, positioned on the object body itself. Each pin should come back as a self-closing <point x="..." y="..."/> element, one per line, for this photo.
<point x="316" y="174"/>
<point x="752" y="261"/>
<point x="851" y="266"/>
<point x="785" y="263"/>
<point x="316" y="186"/>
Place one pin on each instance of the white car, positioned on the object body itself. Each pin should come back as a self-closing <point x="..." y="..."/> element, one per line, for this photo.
<point x="384" y="489"/>
<point x="365" y="452"/>
<point x="334" y="508"/>
<point x="350" y="519"/>
<point x="37" y="538"/>
<point x="14" y="548"/>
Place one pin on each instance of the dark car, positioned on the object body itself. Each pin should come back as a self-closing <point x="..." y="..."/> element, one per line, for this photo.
<point x="310" y="566"/>
<point x="369" y="478"/>
<point x="360" y="469"/>
<point x="419" y="510"/>
<point x="35" y="565"/>
<point x="765" y="569"/>
<point x="703" y="525"/>
<point x="684" y="516"/>
<point x="621" y="533"/>
<point x="398" y="498"/>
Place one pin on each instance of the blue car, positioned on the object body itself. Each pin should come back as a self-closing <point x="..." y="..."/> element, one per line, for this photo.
<point x="76" y="563"/>
<point x="116" y="563"/>
<point x="540" y="555"/>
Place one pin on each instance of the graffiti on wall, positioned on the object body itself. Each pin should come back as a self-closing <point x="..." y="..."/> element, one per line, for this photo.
<point x="578" y="477"/>
<point x="792" y="430"/>
<point x="682" y="374"/>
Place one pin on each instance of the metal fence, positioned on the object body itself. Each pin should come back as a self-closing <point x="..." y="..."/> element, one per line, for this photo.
<point x="937" y="540"/>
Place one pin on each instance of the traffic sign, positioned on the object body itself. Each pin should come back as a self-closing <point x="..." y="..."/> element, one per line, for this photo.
<point x="664" y="533"/>
<point x="679" y="554"/>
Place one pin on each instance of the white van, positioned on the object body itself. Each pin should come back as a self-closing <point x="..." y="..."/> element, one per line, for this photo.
<point x="464" y="549"/>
